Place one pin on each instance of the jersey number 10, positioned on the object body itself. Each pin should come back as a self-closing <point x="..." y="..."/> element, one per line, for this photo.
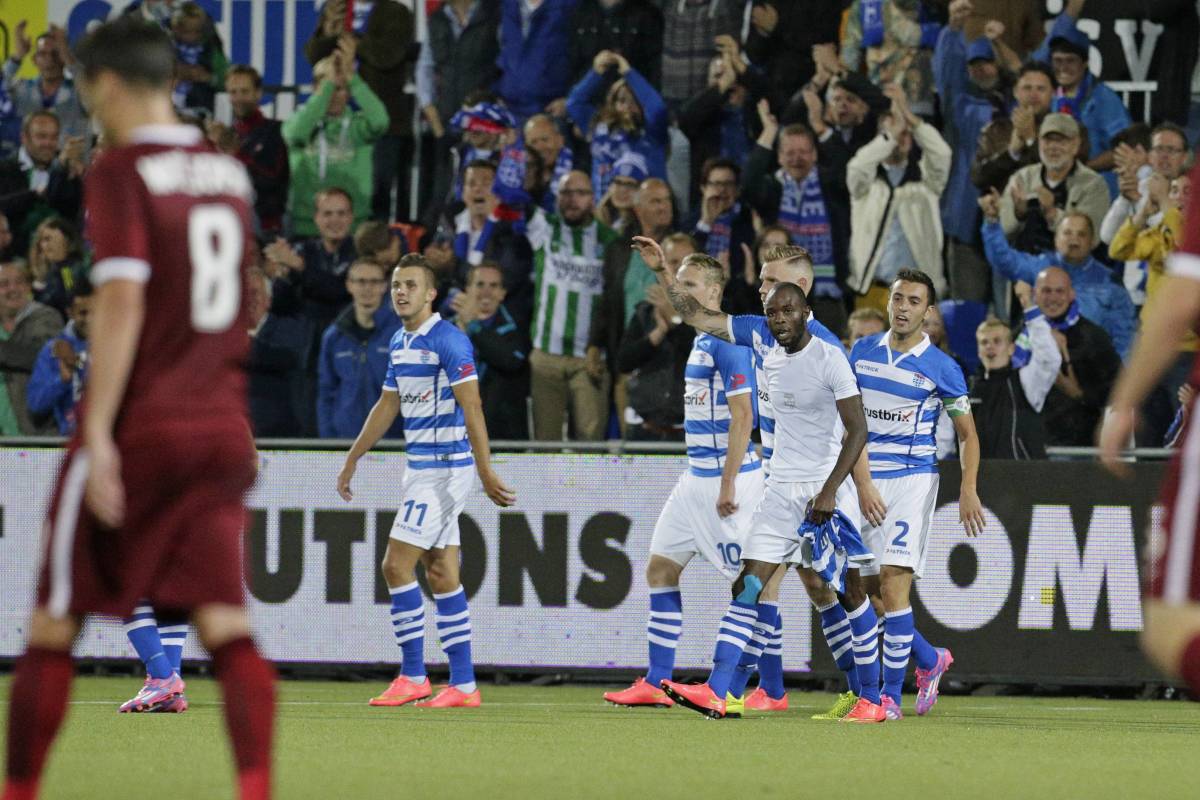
<point x="215" y="246"/>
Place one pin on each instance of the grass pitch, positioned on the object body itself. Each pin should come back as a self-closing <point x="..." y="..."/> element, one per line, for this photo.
<point x="564" y="742"/>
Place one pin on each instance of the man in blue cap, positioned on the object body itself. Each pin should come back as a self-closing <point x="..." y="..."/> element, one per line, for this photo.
<point x="1094" y="105"/>
<point x="973" y="90"/>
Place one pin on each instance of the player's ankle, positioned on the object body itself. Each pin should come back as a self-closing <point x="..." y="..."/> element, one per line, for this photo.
<point x="1189" y="665"/>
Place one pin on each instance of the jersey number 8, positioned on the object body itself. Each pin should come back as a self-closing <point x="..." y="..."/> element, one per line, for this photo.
<point x="215" y="246"/>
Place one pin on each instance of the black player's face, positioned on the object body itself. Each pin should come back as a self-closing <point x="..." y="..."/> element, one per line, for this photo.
<point x="907" y="306"/>
<point x="787" y="316"/>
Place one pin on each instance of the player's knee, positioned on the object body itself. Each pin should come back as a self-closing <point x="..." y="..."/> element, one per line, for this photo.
<point x="818" y="590"/>
<point x="662" y="572"/>
<point x="394" y="573"/>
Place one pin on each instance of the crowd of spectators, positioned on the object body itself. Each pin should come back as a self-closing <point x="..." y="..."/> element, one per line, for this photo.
<point x="966" y="138"/>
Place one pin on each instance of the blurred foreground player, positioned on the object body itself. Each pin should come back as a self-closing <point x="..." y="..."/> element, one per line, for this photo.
<point x="1171" y="638"/>
<point x="149" y="501"/>
<point x="431" y="380"/>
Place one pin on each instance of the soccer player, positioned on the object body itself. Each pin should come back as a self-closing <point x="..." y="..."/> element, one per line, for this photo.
<point x="710" y="508"/>
<point x="843" y="631"/>
<point x="149" y="502"/>
<point x="158" y="641"/>
<point x="1171" y="638"/>
<point x="431" y="381"/>
<point x="905" y="382"/>
<point x="815" y="400"/>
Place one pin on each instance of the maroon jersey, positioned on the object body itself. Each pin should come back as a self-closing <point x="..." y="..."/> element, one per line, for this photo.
<point x="1174" y="567"/>
<point x="171" y="212"/>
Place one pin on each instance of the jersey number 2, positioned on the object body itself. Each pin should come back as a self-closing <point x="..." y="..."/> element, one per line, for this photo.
<point x="899" y="540"/>
<point x="215" y="247"/>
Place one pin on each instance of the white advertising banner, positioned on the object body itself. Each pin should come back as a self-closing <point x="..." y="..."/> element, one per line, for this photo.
<point x="557" y="580"/>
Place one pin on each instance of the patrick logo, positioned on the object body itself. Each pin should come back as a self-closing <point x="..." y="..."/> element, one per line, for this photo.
<point x="465" y="371"/>
<point x="736" y="381"/>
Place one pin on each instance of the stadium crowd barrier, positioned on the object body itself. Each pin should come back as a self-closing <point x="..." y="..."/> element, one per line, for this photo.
<point x="1048" y="594"/>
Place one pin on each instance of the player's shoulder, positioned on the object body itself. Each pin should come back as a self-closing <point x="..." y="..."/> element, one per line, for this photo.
<point x="821" y="332"/>
<point x="865" y="345"/>
<point x="939" y="361"/>
<point x="444" y="333"/>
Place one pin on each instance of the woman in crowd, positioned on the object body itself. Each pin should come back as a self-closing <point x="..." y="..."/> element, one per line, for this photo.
<point x="632" y="118"/>
<point x="55" y="260"/>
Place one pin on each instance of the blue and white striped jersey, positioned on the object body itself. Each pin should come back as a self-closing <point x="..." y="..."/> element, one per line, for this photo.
<point x="424" y="366"/>
<point x="716" y="371"/>
<point x="750" y="330"/>
<point x="903" y="394"/>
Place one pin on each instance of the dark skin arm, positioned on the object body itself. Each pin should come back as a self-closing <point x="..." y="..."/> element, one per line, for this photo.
<point x="855" y="421"/>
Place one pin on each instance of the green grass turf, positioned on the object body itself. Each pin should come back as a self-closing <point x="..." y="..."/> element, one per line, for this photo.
<point x="564" y="742"/>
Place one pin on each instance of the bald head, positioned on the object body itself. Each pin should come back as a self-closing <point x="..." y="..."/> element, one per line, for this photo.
<point x="787" y="292"/>
<point x="543" y="137"/>
<point x="575" y="197"/>
<point x="652" y="206"/>
<point x="1053" y="292"/>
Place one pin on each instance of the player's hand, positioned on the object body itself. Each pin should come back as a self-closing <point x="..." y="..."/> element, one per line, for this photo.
<point x="1115" y="434"/>
<point x="821" y="507"/>
<point x="726" y="507"/>
<point x="870" y="503"/>
<point x="650" y="252"/>
<point x="343" y="481"/>
<point x="970" y="512"/>
<point x="496" y="491"/>
<point x="104" y="492"/>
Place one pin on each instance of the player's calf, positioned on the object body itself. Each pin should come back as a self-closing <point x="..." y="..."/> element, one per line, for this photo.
<point x="1171" y="640"/>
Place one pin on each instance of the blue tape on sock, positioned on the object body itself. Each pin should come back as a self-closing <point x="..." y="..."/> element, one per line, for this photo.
<point x="751" y="589"/>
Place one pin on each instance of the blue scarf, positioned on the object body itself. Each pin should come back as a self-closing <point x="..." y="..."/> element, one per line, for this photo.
<point x="1074" y="105"/>
<point x="463" y="249"/>
<point x="870" y="14"/>
<point x="720" y="235"/>
<point x="187" y="54"/>
<point x="735" y="144"/>
<point x="510" y="177"/>
<point x="803" y="212"/>
<point x="1021" y="349"/>
<point x="607" y="147"/>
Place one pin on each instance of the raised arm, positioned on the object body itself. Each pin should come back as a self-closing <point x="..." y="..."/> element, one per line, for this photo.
<point x="705" y="320"/>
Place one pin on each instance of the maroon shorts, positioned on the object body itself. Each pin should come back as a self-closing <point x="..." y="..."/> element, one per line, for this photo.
<point x="180" y="546"/>
<point x="1173" y="563"/>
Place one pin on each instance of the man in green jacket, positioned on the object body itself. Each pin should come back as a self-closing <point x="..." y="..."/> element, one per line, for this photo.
<point x="329" y="143"/>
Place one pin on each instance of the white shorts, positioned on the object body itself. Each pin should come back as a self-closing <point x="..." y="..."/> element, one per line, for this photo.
<point x="432" y="499"/>
<point x="689" y="522"/>
<point x="775" y="531"/>
<point x="903" y="538"/>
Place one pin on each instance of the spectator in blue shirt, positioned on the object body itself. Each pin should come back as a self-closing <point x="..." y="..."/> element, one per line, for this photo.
<point x="354" y="355"/>
<point x="61" y="366"/>
<point x="632" y="118"/>
<point x="973" y="91"/>
<point x="1100" y="299"/>
<point x="1082" y="95"/>
<point x="535" y="45"/>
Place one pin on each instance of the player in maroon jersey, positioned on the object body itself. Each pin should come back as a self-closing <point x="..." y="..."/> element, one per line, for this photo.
<point x="1171" y="637"/>
<point x="149" y="502"/>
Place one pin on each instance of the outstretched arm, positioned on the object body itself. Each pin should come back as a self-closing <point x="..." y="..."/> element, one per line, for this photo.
<point x="705" y="320"/>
